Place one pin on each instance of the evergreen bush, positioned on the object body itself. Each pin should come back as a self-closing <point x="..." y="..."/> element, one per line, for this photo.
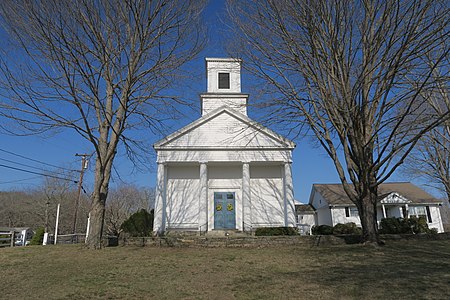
<point x="347" y="228"/>
<point x="139" y="224"/>
<point x="404" y="226"/>
<point x="38" y="236"/>
<point x="322" y="230"/>
<point x="273" y="231"/>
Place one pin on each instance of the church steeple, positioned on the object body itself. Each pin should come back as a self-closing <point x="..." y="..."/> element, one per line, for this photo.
<point x="223" y="85"/>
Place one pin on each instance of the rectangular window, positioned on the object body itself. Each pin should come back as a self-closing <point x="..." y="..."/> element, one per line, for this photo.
<point x="429" y="214"/>
<point x="351" y="212"/>
<point x="420" y="211"/>
<point x="224" y="80"/>
<point x="354" y="212"/>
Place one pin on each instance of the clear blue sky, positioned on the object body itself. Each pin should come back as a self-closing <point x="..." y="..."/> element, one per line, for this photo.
<point x="310" y="165"/>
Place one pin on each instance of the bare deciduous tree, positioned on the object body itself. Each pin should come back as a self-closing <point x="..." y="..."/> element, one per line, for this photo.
<point x="47" y="197"/>
<point x="351" y="73"/>
<point x="37" y="207"/>
<point x="97" y="67"/>
<point x="431" y="158"/>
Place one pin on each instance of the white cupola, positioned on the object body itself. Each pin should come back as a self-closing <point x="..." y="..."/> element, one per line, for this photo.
<point x="223" y="86"/>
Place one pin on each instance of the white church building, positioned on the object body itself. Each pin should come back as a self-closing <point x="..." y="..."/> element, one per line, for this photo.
<point x="223" y="171"/>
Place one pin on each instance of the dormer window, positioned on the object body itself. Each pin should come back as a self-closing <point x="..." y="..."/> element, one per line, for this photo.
<point x="224" y="80"/>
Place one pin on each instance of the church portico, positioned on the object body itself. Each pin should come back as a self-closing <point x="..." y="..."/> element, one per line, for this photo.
<point x="223" y="171"/>
<point x="183" y="184"/>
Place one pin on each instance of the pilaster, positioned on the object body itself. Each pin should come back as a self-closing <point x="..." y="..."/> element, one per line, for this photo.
<point x="289" y="206"/>
<point x="246" y="199"/>
<point x="159" y="222"/>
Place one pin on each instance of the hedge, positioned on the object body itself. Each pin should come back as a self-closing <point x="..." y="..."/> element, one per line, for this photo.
<point x="404" y="226"/>
<point x="273" y="231"/>
<point x="347" y="228"/>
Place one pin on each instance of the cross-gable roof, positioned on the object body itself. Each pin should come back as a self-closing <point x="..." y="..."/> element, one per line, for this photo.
<point x="224" y="128"/>
<point x="304" y="209"/>
<point x="406" y="192"/>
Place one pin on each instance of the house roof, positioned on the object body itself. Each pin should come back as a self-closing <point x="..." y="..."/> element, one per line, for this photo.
<point x="334" y="194"/>
<point x="249" y="137"/>
<point x="304" y="208"/>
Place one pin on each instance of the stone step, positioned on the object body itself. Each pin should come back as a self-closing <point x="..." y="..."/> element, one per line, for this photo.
<point x="226" y="233"/>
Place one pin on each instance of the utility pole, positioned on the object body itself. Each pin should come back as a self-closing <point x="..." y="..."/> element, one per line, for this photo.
<point x="84" y="164"/>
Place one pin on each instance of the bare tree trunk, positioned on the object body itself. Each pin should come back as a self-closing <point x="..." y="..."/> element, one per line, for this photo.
<point x="95" y="234"/>
<point x="368" y="216"/>
<point x="103" y="168"/>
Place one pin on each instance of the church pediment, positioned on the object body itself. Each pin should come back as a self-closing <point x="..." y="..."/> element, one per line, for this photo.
<point x="224" y="128"/>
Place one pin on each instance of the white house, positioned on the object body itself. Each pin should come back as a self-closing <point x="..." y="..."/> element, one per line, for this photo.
<point x="306" y="217"/>
<point x="396" y="199"/>
<point x="223" y="171"/>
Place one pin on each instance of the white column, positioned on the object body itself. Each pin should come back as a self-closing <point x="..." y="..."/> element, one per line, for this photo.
<point x="159" y="222"/>
<point x="384" y="211"/>
<point x="289" y="206"/>
<point x="406" y="210"/>
<point x="203" y="201"/>
<point x="246" y="201"/>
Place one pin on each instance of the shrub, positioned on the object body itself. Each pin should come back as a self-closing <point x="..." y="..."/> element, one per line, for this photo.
<point x="139" y="224"/>
<point x="401" y="226"/>
<point x="347" y="228"/>
<point x="433" y="231"/>
<point x="38" y="236"/>
<point x="393" y="226"/>
<point x="272" y="231"/>
<point x="322" y="230"/>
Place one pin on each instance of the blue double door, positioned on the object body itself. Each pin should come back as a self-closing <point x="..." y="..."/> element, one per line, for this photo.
<point x="224" y="210"/>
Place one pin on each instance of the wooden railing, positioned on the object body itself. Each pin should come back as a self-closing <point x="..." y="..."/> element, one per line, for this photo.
<point x="7" y="238"/>
<point x="77" y="238"/>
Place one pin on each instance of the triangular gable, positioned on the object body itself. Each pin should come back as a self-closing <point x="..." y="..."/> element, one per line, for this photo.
<point x="394" y="198"/>
<point x="224" y="128"/>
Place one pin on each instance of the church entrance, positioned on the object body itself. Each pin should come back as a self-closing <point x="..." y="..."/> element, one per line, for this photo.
<point x="224" y="210"/>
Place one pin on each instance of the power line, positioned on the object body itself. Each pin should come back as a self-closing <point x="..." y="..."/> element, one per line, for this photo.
<point x="24" y="165"/>
<point x="19" y="180"/>
<point x="37" y="173"/>
<point x="35" y="160"/>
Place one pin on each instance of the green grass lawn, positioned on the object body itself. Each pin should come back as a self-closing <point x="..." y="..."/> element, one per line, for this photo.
<point x="401" y="269"/>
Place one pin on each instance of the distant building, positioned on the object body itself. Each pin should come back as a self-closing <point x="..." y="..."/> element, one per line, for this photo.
<point x="22" y="235"/>
<point x="397" y="199"/>
<point x="223" y="171"/>
<point x="306" y="217"/>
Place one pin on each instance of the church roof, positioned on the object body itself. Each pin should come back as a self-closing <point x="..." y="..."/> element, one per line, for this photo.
<point x="334" y="194"/>
<point x="224" y="128"/>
